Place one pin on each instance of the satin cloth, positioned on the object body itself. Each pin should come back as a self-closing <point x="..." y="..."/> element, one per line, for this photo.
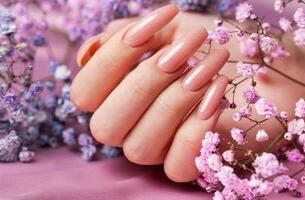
<point x="59" y="174"/>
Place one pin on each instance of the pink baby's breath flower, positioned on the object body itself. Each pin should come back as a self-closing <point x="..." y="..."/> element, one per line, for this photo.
<point x="299" y="17"/>
<point x="228" y="156"/>
<point x="267" y="165"/>
<point x="284" y="115"/>
<point x="214" y="162"/>
<point x="247" y="70"/>
<point x="248" y="47"/>
<point x="221" y="35"/>
<point x="260" y="187"/>
<point x="296" y="126"/>
<point x="279" y="52"/>
<point x="245" y="111"/>
<point x="288" y="136"/>
<point x="285" y="24"/>
<point x="299" y="37"/>
<point x="294" y="155"/>
<point x="218" y="196"/>
<point x="266" y="108"/>
<point x="224" y="104"/>
<point x="279" y="6"/>
<point x="238" y="135"/>
<point x="300" y="108"/>
<point x="302" y="139"/>
<point x="262" y="136"/>
<point x="284" y="182"/>
<point x="251" y="96"/>
<point x="303" y="179"/>
<point x="243" y="11"/>
<point x="268" y="44"/>
<point x="236" y="117"/>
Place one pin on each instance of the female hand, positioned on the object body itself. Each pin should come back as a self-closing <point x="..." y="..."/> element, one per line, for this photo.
<point x="153" y="111"/>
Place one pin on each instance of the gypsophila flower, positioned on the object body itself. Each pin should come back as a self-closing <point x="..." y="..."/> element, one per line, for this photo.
<point x="26" y="156"/>
<point x="62" y="73"/>
<point x="299" y="17"/>
<point x="285" y="24"/>
<point x="110" y="152"/>
<point x="296" y="126"/>
<point x="9" y="147"/>
<point x="300" y="108"/>
<point x="268" y="44"/>
<point x="228" y="156"/>
<point x="303" y="179"/>
<point x="279" y="5"/>
<point x="251" y="96"/>
<point x="266" y="108"/>
<point x="243" y="11"/>
<point x="268" y="165"/>
<point x="7" y="22"/>
<point x="238" y="135"/>
<point x="262" y="136"/>
<point x="221" y="35"/>
<point x="237" y="116"/>
<point x="69" y="136"/>
<point x="84" y="139"/>
<point x="245" y="111"/>
<point x="88" y="152"/>
<point x="249" y="47"/>
<point x="288" y="136"/>
<point x="284" y="182"/>
<point x="299" y="37"/>
<point x="294" y="155"/>
<point x="214" y="162"/>
<point x="247" y="70"/>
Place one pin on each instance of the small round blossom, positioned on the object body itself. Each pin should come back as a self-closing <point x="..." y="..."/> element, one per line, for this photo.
<point x="267" y="165"/>
<point x="284" y="115"/>
<point x="296" y="126"/>
<point x="26" y="156"/>
<point x="266" y="108"/>
<point x="268" y="44"/>
<point x="294" y="155"/>
<point x="69" y="136"/>
<point x="251" y="96"/>
<point x="84" y="139"/>
<point x="285" y="24"/>
<point x="214" y="162"/>
<point x="62" y="73"/>
<point x="279" y="5"/>
<point x="88" y="152"/>
<point x="238" y="135"/>
<point x="302" y="139"/>
<point x="299" y="37"/>
<point x="228" y="156"/>
<point x="288" y="136"/>
<point x="248" y="47"/>
<point x="303" y="179"/>
<point x="221" y="35"/>
<point x="243" y="11"/>
<point x="245" y="111"/>
<point x="284" y="182"/>
<point x="262" y="136"/>
<point x="299" y="17"/>
<point x="237" y="117"/>
<point x="300" y="108"/>
<point x="247" y="70"/>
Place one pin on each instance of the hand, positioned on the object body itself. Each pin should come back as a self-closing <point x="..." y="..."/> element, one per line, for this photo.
<point x="152" y="111"/>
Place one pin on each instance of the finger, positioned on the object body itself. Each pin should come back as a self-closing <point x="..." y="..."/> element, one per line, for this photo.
<point x="148" y="140"/>
<point x="179" y="164"/>
<point x="113" y="60"/>
<point x="125" y="105"/>
<point x="90" y="46"/>
<point x="143" y="84"/>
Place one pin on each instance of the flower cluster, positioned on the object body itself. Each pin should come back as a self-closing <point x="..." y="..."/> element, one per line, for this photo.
<point x="39" y="113"/>
<point x="265" y="171"/>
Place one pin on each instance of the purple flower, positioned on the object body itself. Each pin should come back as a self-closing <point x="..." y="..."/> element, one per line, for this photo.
<point x="251" y="96"/>
<point x="88" y="152"/>
<point x="221" y="35"/>
<point x="69" y="136"/>
<point x="266" y="108"/>
<point x="9" y="147"/>
<point x="299" y="17"/>
<point x="299" y="37"/>
<point x="268" y="44"/>
<point x="12" y="100"/>
<point x="294" y="155"/>
<point x="111" y="152"/>
<point x="300" y="108"/>
<point x="26" y="156"/>
<point x="243" y="11"/>
<point x="84" y="139"/>
<point x="7" y="22"/>
<point x="238" y="135"/>
<point x="267" y="165"/>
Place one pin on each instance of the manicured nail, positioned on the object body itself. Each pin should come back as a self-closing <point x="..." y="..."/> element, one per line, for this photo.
<point x="181" y="50"/>
<point x="198" y="76"/>
<point x="212" y="97"/>
<point x="141" y="32"/>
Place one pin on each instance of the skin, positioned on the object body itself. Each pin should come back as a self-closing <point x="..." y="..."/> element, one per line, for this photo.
<point x="155" y="111"/>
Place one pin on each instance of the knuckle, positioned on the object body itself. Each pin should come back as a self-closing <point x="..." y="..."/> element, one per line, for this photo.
<point x="80" y="100"/>
<point x="164" y="106"/>
<point x="103" y="132"/>
<point x="133" y="153"/>
<point x="136" y="84"/>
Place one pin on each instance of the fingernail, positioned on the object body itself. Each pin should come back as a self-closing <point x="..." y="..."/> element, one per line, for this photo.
<point x="181" y="50"/>
<point x="141" y="32"/>
<point x="212" y="97"/>
<point x="205" y="70"/>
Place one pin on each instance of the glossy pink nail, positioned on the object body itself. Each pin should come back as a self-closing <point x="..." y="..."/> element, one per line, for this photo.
<point x="181" y="50"/>
<point x="141" y="32"/>
<point x="204" y="71"/>
<point x="212" y="97"/>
